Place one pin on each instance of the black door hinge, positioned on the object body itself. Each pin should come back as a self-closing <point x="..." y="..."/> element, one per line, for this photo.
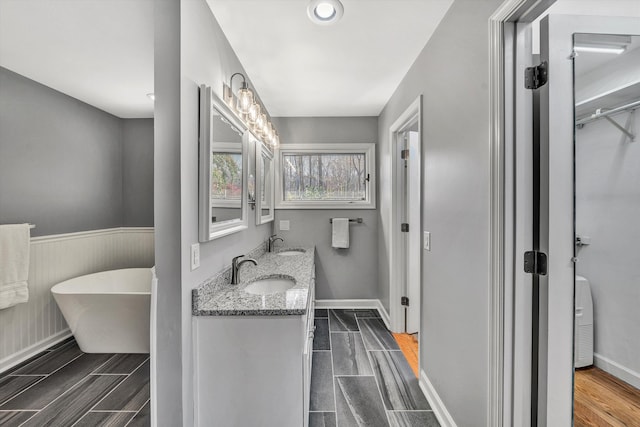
<point x="535" y="263"/>
<point x="404" y="301"/>
<point x="536" y="77"/>
<point x="404" y="227"/>
<point x="404" y="154"/>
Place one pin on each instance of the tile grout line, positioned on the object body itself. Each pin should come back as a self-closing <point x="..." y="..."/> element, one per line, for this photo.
<point x="384" y="407"/>
<point x="333" y="376"/>
<point x="136" y="414"/>
<point x="103" y="397"/>
<point x="65" y="392"/>
<point x="44" y="376"/>
<point x="126" y="377"/>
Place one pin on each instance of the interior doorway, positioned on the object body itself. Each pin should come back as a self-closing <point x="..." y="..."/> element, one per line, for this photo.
<point x="406" y="253"/>
<point x="545" y="299"/>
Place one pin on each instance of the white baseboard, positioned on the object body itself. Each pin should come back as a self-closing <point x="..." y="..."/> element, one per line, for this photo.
<point x="27" y="353"/>
<point x="439" y="410"/>
<point x="617" y="370"/>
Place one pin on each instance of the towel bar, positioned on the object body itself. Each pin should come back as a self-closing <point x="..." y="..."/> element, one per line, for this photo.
<point x="358" y="220"/>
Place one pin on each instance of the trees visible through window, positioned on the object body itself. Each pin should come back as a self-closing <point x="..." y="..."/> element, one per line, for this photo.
<point x="326" y="176"/>
<point x="335" y="177"/>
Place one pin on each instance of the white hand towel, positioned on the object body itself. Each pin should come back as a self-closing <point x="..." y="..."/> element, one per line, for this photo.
<point x="14" y="264"/>
<point x="340" y="233"/>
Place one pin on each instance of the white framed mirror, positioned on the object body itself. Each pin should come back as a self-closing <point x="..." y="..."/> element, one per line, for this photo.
<point x="265" y="184"/>
<point x="223" y="169"/>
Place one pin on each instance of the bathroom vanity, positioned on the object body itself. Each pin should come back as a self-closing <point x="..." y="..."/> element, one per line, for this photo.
<point x="253" y="343"/>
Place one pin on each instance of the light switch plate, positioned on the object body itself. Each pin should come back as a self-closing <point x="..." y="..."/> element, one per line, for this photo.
<point x="284" y="225"/>
<point x="427" y="241"/>
<point x="195" y="256"/>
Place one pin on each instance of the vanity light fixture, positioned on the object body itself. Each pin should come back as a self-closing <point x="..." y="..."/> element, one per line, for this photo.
<point x="325" y="12"/>
<point x="244" y="97"/>
<point x="248" y="108"/>
<point x="617" y="50"/>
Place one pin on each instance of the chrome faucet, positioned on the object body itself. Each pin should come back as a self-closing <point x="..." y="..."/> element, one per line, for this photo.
<point x="235" y="267"/>
<point x="272" y="240"/>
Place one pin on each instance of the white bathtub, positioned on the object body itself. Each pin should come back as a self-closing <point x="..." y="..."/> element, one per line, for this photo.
<point x="108" y="312"/>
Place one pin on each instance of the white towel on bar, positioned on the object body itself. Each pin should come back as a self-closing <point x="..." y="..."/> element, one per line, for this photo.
<point x="14" y="264"/>
<point x="340" y="233"/>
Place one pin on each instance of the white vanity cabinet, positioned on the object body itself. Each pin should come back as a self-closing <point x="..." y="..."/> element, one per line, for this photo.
<point x="253" y="370"/>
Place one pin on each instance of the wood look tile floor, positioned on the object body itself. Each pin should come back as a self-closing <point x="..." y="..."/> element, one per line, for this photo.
<point x="64" y="387"/>
<point x="360" y="378"/>
<point x="600" y="400"/>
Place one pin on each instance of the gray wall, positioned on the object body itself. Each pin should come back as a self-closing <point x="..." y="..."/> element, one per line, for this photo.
<point x="60" y="160"/>
<point x="455" y="141"/>
<point x="190" y="50"/>
<point x="341" y="273"/>
<point x="169" y="372"/>
<point x="65" y="165"/>
<point x="607" y="210"/>
<point x="137" y="172"/>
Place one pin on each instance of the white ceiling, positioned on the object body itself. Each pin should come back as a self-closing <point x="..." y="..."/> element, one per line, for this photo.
<point x="98" y="51"/>
<point x="348" y="69"/>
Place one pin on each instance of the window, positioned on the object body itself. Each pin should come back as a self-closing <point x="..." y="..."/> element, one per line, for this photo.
<point x="326" y="176"/>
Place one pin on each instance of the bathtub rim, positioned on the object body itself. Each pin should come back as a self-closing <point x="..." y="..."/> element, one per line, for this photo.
<point x="69" y="286"/>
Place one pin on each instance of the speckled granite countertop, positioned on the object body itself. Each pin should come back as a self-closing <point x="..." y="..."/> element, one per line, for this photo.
<point x="216" y="297"/>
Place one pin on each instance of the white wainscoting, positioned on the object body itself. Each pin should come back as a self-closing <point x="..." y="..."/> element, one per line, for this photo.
<point x="26" y="329"/>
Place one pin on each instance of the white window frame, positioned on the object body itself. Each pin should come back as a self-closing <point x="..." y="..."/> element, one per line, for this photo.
<point x="369" y="151"/>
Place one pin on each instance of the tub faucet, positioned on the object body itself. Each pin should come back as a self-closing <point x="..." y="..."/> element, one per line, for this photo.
<point x="272" y="240"/>
<point x="235" y="268"/>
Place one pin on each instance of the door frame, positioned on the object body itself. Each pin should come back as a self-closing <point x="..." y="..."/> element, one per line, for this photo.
<point x="511" y="216"/>
<point x="412" y="113"/>
<point x="508" y="392"/>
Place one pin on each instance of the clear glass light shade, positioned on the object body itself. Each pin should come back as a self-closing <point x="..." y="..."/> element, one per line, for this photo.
<point x="260" y="121"/>
<point x="254" y="113"/>
<point x="245" y="99"/>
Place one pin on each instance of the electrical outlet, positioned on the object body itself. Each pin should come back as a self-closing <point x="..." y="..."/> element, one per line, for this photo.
<point x="284" y="225"/>
<point x="195" y="256"/>
<point x="427" y="241"/>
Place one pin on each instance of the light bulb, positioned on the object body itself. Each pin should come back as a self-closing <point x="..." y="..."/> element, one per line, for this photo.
<point x="325" y="10"/>
<point x="254" y="113"/>
<point x="260" y="121"/>
<point x="245" y="99"/>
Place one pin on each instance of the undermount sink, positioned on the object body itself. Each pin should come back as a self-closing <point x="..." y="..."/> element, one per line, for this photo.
<point x="269" y="286"/>
<point x="291" y="252"/>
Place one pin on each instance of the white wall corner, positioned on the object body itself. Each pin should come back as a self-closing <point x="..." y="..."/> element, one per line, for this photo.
<point x="440" y="411"/>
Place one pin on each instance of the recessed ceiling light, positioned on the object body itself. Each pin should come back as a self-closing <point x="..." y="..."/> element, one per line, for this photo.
<point x="325" y="12"/>
<point x="600" y="49"/>
<point x="151" y="96"/>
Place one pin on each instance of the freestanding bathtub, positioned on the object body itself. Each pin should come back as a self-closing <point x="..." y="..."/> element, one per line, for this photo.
<point x="108" y="312"/>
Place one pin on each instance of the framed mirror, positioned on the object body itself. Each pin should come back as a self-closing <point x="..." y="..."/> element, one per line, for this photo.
<point x="223" y="169"/>
<point x="265" y="196"/>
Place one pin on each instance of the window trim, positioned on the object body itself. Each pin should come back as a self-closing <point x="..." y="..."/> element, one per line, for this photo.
<point x="368" y="149"/>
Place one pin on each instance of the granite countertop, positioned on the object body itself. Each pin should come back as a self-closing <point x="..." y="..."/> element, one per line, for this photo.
<point x="216" y="297"/>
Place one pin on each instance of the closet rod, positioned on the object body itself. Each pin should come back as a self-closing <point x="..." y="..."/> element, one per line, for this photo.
<point x="598" y="115"/>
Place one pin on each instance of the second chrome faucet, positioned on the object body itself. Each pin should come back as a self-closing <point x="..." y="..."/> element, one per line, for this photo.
<point x="272" y="239"/>
<point x="235" y="268"/>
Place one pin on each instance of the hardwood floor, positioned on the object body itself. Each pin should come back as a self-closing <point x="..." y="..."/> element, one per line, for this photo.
<point x="601" y="399"/>
<point x="409" y="346"/>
